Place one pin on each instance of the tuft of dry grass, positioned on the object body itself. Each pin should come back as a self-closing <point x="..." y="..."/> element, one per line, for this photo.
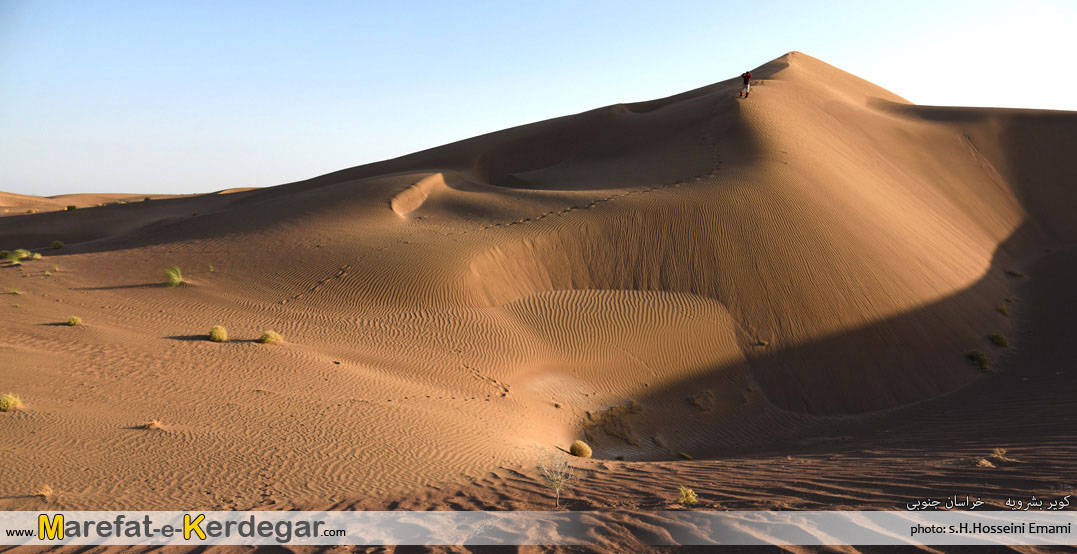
<point x="556" y="475"/>
<point x="979" y="359"/>
<point x="57" y="244"/>
<point x="999" y="455"/>
<point x="173" y="276"/>
<point x="984" y="462"/>
<point x="153" y="425"/>
<point x="45" y="492"/>
<point x="15" y="292"/>
<point x="270" y="337"/>
<point x="688" y="496"/>
<point x="9" y="402"/>
<point x="1004" y="310"/>
<point x="74" y="320"/>
<point x="686" y="455"/>
<point x="998" y="339"/>
<point x="218" y="334"/>
<point x="580" y="449"/>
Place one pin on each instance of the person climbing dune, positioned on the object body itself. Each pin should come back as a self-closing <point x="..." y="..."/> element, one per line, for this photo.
<point x="747" y="76"/>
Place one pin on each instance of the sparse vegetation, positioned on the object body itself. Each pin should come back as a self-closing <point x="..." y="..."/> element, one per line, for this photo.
<point x="57" y="244"/>
<point x="19" y="254"/>
<point x="999" y="455"/>
<point x="984" y="462"/>
<point x="688" y="496"/>
<point x="979" y="359"/>
<point x="35" y="256"/>
<point x="686" y="455"/>
<point x="173" y="276"/>
<point x="146" y="199"/>
<point x="153" y="425"/>
<point x="71" y="207"/>
<point x="762" y="342"/>
<point x="211" y="270"/>
<point x="556" y="475"/>
<point x="9" y="402"/>
<point x="74" y="320"/>
<point x="270" y="337"/>
<point x="1004" y="310"/>
<point x="15" y="292"/>
<point x="56" y="268"/>
<point x="4" y="254"/>
<point x="580" y="449"/>
<point x="998" y="339"/>
<point x="218" y="334"/>
<point x="45" y="493"/>
<point x="48" y="273"/>
<point x="31" y="211"/>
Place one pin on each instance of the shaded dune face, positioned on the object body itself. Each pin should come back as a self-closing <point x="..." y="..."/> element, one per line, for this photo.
<point x="696" y="274"/>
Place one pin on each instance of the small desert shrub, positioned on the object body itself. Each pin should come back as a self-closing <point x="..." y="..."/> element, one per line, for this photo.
<point x="5" y="253"/>
<point x="48" y="274"/>
<point x="580" y="449"/>
<point x="173" y="276"/>
<point x="153" y="425"/>
<point x="556" y="475"/>
<point x="45" y="492"/>
<point x="57" y="244"/>
<point x="1004" y="310"/>
<point x="74" y="320"/>
<point x="218" y="334"/>
<point x="688" y="496"/>
<point x="270" y="337"/>
<point x="984" y="462"/>
<point x="686" y="455"/>
<point x="14" y="291"/>
<point x="9" y="402"/>
<point x="31" y="211"/>
<point x="56" y="268"/>
<point x="978" y="359"/>
<point x="999" y="455"/>
<point x="19" y="254"/>
<point x="35" y="256"/>
<point x="71" y="207"/>
<point x="146" y="199"/>
<point x="998" y="339"/>
<point x="211" y="270"/>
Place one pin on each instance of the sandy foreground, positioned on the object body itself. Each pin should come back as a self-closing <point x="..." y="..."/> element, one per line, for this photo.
<point x="768" y="300"/>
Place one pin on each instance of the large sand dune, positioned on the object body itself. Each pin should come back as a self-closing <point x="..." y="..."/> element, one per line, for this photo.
<point x="697" y="274"/>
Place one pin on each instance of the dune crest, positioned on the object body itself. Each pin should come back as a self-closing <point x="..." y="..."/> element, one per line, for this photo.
<point x="411" y="198"/>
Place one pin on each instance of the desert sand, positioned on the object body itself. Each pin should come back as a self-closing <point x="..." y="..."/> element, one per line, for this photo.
<point x="782" y="288"/>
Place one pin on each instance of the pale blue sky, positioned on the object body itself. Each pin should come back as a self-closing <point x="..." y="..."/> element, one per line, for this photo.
<point x="194" y="96"/>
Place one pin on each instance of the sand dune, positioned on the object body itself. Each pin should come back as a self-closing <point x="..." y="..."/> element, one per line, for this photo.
<point x="741" y="274"/>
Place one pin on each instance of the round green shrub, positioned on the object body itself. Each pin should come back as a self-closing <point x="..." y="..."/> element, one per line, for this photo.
<point x="218" y="334"/>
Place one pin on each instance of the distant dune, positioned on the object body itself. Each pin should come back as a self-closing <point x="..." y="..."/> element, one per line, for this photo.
<point x="698" y="275"/>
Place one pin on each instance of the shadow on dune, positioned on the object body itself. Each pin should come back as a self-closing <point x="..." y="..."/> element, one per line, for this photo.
<point x="878" y="371"/>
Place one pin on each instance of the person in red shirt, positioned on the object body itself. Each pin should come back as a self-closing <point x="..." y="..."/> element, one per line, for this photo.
<point x="747" y="76"/>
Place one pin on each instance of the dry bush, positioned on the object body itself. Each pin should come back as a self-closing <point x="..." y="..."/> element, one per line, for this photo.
<point x="556" y="475"/>
<point x="270" y="337"/>
<point x="688" y="496"/>
<point x="9" y="402"/>
<point x="580" y="449"/>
